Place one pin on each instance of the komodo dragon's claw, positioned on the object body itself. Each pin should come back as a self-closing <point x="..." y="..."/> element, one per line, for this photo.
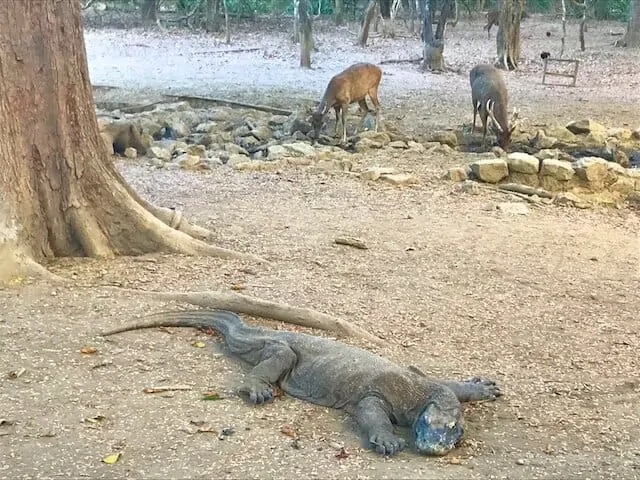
<point x="258" y="394"/>
<point x="492" y="391"/>
<point x="387" y="443"/>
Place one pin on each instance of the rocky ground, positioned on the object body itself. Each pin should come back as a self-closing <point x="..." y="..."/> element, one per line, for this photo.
<point x="459" y="282"/>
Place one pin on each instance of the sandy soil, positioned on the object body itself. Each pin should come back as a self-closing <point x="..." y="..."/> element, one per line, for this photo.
<point x="545" y="303"/>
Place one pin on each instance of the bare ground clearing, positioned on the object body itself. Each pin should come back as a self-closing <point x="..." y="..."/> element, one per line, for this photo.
<point x="544" y="303"/>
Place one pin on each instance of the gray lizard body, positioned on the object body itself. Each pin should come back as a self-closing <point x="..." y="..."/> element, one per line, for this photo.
<point x="375" y="391"/>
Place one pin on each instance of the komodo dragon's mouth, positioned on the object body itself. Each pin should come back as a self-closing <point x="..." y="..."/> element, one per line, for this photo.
<point x="437" y="431"/>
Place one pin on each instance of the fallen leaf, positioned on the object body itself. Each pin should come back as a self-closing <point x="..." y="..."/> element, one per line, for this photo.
<point x="206" y="429"/>
<point x="198" y="344"/>
<point x="88" y="350"/>
<point x="289" y="431"/>
<point x="342" y="454"/>
<point x="112" y="458"/>
<point x="96" y="419"/>
<point x="16" y="373"/>
<point x="168" y="388"/>
<point x="211" y="396"/>
<point x="17" y="280"/>
<point x="277" y="392"/>
<point x="454" y="460"/>
<point x="237" y="286"/>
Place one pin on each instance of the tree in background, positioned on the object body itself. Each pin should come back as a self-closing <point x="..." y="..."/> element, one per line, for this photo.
<point x="632" y="37"/>
<point x="60" y="193"/>
<point x="508" y="38"/>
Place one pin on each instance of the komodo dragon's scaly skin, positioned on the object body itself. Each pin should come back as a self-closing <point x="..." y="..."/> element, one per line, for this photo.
<point x="375" y="391"/>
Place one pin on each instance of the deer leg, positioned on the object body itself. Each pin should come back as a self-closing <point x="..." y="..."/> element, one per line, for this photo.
<point x="475" y="113"/>
<point x="336" y="109"/>
<point x="365" y="111"/>
<point x="376" y="103"/>
<point x="344" y="123"/>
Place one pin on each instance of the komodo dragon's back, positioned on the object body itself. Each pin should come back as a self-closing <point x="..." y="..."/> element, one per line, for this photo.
<point x="376" y="391"/>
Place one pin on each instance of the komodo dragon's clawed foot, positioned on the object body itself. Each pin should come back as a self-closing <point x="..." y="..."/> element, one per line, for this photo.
<point x="387" y="443"/>
<point x="257" y="392"/>
<point x="483" y="388"/>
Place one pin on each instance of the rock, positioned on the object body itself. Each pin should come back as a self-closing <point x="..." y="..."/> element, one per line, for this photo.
<point x="490" y="170"/>
<point x="297" y="124"/>
<point x="400" y="179"/>
<point x="585" y="127"/>
<point x="635" y="135"/>
<point x="623" y="186"/>
<point x="498" y="151"/>
<point x="374" y="173"/>
<point x="222" y="114"/>
<point x="458" y="174"/>
<point x="191" y="162"/>
<point x="621" y="158"/>
<point x="159" y="153"/>
<point x="523" y="163"/>
<point x="299" y="149"/>
<point x="446" y="137"/>
<point x="197" y="151"/>
<point x="513" y="208"/>
<point x="123" y="134"/>
<point x="398" y="144"/>
<point x="616" y="168"/>
<point x="234" y="159"/>
<point x="205" y="127"/>
<point x="379" y="137"/>
<point x="365" y="144"/>
<point x="241" y="131"/>
<point x="542" y="140"/>
<point x="108" y="143"/>
<point x="276" y="151"/>
<point x="257" y="166"/>
<point x="249" y="143"/>
<point x="234" y="148"/>
<point x="529" y="179"/>
<point x="547" y="154"/>
<point x="468" y="186"/>
<point x="418" y="147"/>
<point x="561" y="133"/>
<point x="557" y="169"/>
<point x="277" y="120"/>
<point x="620" y="133"/>
<point x="262" y="133"/>
<point x="591" y="169"/>
<point x="634" y="159"/>
<point x="130" y="152"/>
<point x="567" y="198"/>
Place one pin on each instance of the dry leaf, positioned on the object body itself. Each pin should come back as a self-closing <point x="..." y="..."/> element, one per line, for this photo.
<point x="16" y="373"/>
<point x="211" y="396"/>
<point x="454" y="460"/>
<point x="168" y="388"/>
<point x="88" y="349"/>
<point x="206" y="429"/>
<point x="342" y="454"/>
<point x="237" y="286"/>
<point x="96" y="419"/>
<point x="112" y="458"/>
<point x="277" y="392"/>
<point x="198" y="344"/>
<point x="289" y="431"/>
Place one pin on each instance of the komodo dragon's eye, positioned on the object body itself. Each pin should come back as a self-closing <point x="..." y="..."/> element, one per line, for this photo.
<point x="437" y="431"/>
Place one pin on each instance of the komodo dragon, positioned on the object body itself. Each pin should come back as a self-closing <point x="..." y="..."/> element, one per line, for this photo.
<point x="375" y="391"/>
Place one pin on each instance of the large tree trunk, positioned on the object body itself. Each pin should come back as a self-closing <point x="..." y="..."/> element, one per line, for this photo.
<point x="433" y="46"/>
<point x="61" y="194"/>
<point x="508" y="38"/>
<point x="632" y="38"/>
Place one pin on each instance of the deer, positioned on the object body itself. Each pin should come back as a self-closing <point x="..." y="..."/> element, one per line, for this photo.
<point x="349" y="86"/>
<point x="493" y="18"/>
<point x="490" y="98"/>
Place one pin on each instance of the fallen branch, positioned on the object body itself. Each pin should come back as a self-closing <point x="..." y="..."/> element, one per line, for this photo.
<point x="238" y="303"/>
<point x="524" y="189"/>
<point x="351" y="242"/>
<point x="231" y="103"/>
<point x="401" y="60"/>
<point x="230" y="50"/>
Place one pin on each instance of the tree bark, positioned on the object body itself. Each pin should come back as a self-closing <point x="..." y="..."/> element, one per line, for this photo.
<point x="338" y="12"/>
<point x="61" y="195"/>
<point x="433" y="46"/>
<point x="508" y="38"/>
<point x="632" y="37"/>
<point x="306" y="39"/>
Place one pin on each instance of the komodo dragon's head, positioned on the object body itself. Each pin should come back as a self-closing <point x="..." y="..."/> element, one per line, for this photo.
<point x="438" y="428"/>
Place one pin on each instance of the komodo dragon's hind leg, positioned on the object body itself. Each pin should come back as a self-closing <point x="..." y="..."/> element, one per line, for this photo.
<point x="472" y="390"/>
<point x="276" y="359"/>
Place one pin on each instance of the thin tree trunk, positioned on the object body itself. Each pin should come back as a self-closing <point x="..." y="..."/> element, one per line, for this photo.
<point x="296" y="21"/>
<point x="61" y="193"/>
<point x="369" y="13"/>
<point x="338" y="11"/>
<point x="583" y="20"/>
<point x="306" y="39"/>
<point x="149" y="11"/>
<point x="564" y="27"/>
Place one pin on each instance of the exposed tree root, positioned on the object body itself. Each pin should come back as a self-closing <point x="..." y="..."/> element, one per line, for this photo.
<point x="283" y="312"/>
<point x="14" y="265"/>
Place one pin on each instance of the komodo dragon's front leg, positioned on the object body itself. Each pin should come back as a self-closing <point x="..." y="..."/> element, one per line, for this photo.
<point x="372" y="416"/>
<point x="275" y="360"/>
<point x="473" y="390"/>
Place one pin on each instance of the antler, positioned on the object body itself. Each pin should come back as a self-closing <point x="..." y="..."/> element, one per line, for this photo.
<point x="514" y="119"/>
<point x="489" y="106"/>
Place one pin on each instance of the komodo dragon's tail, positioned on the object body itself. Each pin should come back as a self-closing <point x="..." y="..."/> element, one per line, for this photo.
<point x="220" y="320"/>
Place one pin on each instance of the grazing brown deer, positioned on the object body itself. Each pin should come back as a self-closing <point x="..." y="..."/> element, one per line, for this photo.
<point x="490" y="98"/>
<point x="349" y="86"/>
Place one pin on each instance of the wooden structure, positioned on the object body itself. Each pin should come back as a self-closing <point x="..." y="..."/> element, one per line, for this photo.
<point x="563" y="61"/>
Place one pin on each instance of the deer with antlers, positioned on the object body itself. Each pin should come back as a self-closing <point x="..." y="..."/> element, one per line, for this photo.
<point x="490" y="98"/>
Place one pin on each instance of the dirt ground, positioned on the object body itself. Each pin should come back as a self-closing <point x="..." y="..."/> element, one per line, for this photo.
<point x="544" y="303"/>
